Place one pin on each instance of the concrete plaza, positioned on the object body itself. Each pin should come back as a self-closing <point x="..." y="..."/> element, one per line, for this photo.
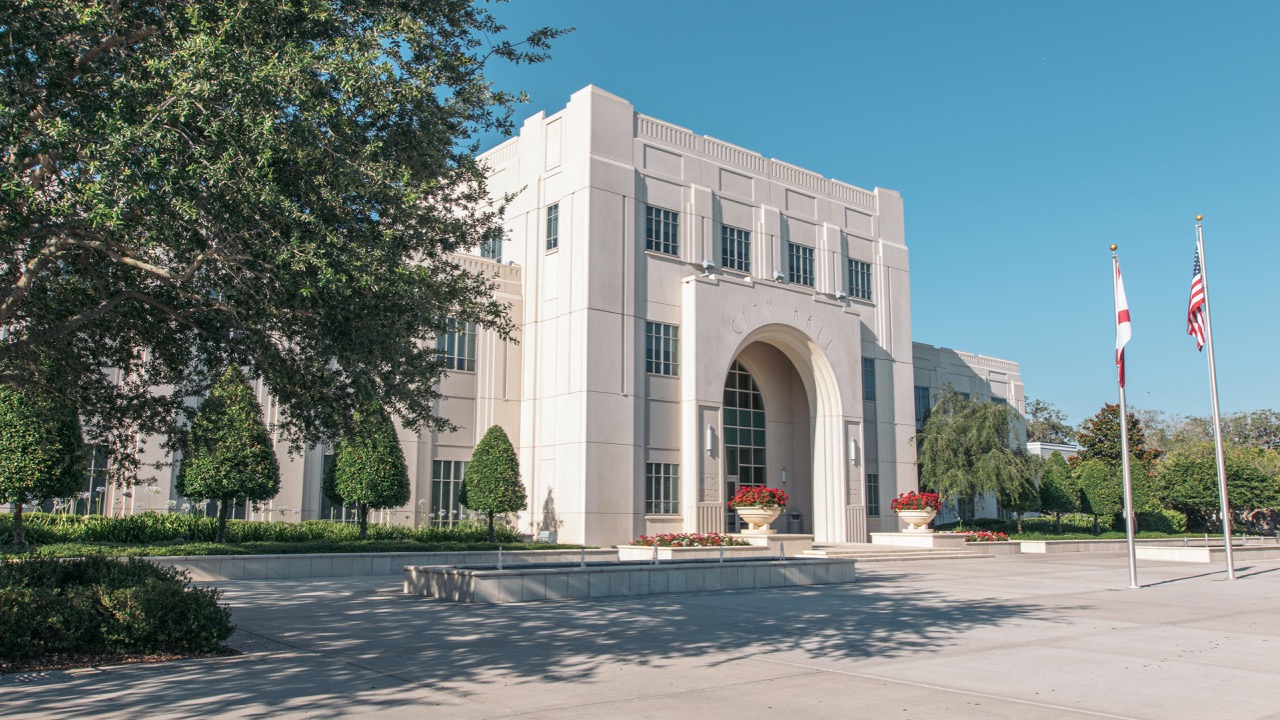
<point x="1053" y="636"/>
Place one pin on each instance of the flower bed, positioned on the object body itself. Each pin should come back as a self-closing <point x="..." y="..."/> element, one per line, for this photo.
<point x="917" y="501"/>
<point x="688" y="540"/>
<point x="984" y="536"/>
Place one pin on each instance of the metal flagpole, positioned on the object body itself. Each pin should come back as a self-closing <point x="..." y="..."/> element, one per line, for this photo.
<point x="1224" y="505"/>
<point x="1124" y="424"/>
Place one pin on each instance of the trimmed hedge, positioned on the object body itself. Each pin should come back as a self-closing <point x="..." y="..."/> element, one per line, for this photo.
<point x="153" y="528"/>
<point x="75" y="550"/>
<point x="95" y="606"/>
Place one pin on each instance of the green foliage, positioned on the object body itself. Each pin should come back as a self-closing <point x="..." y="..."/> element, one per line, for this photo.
<point x="279" y="184"/>
<point x="1099" y="438"/>
<point x="492" y="482"/>
<point x="965" y="449"/>
<point x="1058" y="493"/>
<point x="368" y="468"/>
<point x="41" y="449"/>
<point x="1023" y="496"/>
<point x="157" y="529"/>
<point x="1165" y="521"/>
<point x="1188" y="482"/>
<point x="228" y="453"/>
<point x="1046" y="423"/>
<point x="1101" y="491"/>
<point x="96" y="605"/>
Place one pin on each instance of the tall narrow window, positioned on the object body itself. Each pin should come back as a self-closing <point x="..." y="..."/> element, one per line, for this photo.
<point x="859" y="279"/>
<point x="869" y="379"/>
<point x="661" y="349"/>
<point x="922" y="405"/>
<point x="735" y="249"/>
<point x="456" y="346"/>
<point x="800" y="268"/>
<point x="662" y="489"/>
<point x="873" y="494"/>
<point x="553" y="226"/>
<point x="491" y="249"/>
<point x="661" y="231"/>
<point x="446" y="486"/>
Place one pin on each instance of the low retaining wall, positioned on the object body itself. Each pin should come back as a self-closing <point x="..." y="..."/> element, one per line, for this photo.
<point x="1002" y="547"/>
<point x="1120" y="545"/>
<point x="280" y="567"/>
<point x="646" y="552"/>
<point x="950" y="541"/>
<point x="566" y="581"/>
<point x="1211" y="554"/>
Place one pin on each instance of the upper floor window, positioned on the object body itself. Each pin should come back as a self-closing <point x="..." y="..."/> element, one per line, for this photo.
<point x="735" y="249"/>
<point x="800" y="270"/>
<point x="661" y="349"/>
<point x="923" y="406"/>
<point x="661" y="231"/>
<point x="491" y="249"/>
<point x="553" y="226"/>
<point x="456" y="346"/>
<point x="869" y="379"/>
<point x="859" y="279"/>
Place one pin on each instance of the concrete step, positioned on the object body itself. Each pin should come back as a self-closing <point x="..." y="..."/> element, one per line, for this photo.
<point x="866" y="552"/>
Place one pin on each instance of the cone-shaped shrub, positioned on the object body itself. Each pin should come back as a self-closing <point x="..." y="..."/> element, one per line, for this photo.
<point x="41" y="450"/>
<point x="228" y="454"/>
<point x="368" y="468"/>
<point x="1057" y="492"/>
<point x="492" y="482"/>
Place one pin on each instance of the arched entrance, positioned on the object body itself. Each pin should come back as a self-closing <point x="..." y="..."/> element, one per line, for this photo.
<point x="768" y="438"/>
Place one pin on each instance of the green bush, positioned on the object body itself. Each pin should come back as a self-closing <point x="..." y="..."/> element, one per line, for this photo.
<point x="1165" y="521"/>
<point x="93" y="605"/>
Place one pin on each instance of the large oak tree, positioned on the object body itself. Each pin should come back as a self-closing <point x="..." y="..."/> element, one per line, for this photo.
<point x="274" y="184"/>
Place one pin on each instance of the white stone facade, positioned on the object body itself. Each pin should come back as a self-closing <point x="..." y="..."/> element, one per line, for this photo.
<point x="593" y="415"/>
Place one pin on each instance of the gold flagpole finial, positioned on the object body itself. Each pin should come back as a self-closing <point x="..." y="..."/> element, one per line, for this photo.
<point x="1199" y="218"/>
<point x="1113" y="248"/>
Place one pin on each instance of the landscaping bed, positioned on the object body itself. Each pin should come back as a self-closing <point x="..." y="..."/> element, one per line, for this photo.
<point x="59" y="613"/>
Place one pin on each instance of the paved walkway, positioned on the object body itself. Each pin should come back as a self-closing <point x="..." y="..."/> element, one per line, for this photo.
<point x="1010" y="637"/>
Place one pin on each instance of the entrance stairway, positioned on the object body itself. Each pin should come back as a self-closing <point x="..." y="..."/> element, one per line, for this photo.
<point x="866" y="552"/>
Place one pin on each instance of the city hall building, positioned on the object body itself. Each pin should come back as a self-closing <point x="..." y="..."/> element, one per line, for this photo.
<point x="692" y="317"/>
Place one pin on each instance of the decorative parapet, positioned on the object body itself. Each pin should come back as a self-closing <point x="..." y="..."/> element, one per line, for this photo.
<point x="504" y="153"/>
<point x="488" y="267"/>
<point x="987" y="362"/>
<point x="776" y="169"/>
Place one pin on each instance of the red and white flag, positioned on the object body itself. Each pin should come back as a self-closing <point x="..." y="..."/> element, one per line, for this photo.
<point x="1124" y="329"/>
<point x="1195" y="306"/>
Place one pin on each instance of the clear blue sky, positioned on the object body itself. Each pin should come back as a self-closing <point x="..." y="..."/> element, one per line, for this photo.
<point x="1024" y="137"/>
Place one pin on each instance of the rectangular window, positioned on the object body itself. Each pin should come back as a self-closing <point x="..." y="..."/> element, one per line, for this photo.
<point x="800" y="270"/>
<point x="735" y="249"/>
<point x="859" y="279"/>
<point x="446" y="488"/>
<point x="869" y="379"/>
<point x="662" y="489"/>
<point x="922" y="405"/>
<point x="661" y="231"/>
<point x="491" y="249"/>
<point x="873" y="494"/>
<point x="553" y="226"/>
<point x="456" y="346"/>
<point x="661" y="349"/>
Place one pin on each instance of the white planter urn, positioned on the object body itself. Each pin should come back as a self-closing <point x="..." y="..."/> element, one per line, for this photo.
<point x="758" y="518"/>
<point x="918" y="520"/>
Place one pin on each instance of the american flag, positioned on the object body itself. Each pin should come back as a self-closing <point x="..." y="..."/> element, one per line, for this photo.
<point x="1195" y="306"/>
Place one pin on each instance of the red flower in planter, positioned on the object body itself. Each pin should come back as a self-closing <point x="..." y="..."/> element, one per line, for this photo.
<point x="917" y="501"/>
<point x="758" y="496"/>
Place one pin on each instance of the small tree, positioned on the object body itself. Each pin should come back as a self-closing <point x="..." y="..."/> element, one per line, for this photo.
<point x="1100" y="438"/>
<point x="492" y="482"/>
<point x="1024" y="496"/>
<point x="1058" y="493"/>
<point x="227" y="453"/>
<point x="41" y="451"/>
<point x="1101" y="494"/>
<point x="967" y="448"/>
<point x="1046" y="423"/>
<point x="1188" y="482"/>
<point x="368" y="468"/>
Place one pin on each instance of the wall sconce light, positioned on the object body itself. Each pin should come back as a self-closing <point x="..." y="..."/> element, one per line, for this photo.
<point x="784" y="474"/>
<point x="853" y="451"/>
<point x="710" y="439"/>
